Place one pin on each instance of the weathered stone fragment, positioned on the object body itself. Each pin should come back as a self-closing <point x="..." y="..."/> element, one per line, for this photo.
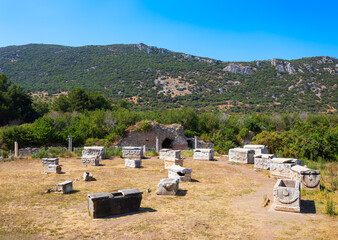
<point x="93" y="160"/>
<point x="262" y="161"/>
<point x="309" y="179"/>
<point x="259" y="149"/>
<point x="50" y="161"/>
<point x="88" y="176"/>
<point x="28" y="151"/>
<point x="53" y="168"/>
<point x="169" y="154"/>
<point x="168" y="163"/>
<point x="281" y="167"/>
<point x="180" y="173"/>
<point x="64" y="187"/>
<point x="286" y="195"/>
<point x="168" y="186"/>
<point x="94" y="150"/>
<point x="132" y="152"/>
<point x="108" y="204"/>
<point x="203" y="154"/>
<point x="133" y="163"/>
<point x="241" y="155"/>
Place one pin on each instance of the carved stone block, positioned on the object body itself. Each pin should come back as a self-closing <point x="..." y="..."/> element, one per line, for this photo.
<point x="53" y="168"/>
<point x="168" y="186"/>
<point x="64" y="187"/>
<point x="180" y="173"/>
<point x="133" y="163"/>
<point x="241" y="155"/>
<point x="88" y="176"/>
<point x="203" y="154"/>
<point x="94" y="150"/>
<point x="169" y="154"/>
<point x="93" y="160"/>
<point x="132" y="152"/>
<point x="281" y="167"/>
<point x="168" y="163"/>
<point x="309" y="179"/>
<point x="50" y="161"/>
<point x="262" y="161"/>
<point x="259" y="149"/>
<point x="286" y="195"/>
<point x="108" y="204"/>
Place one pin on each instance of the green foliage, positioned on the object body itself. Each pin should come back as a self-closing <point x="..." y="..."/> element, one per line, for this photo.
<point x="42" y="153"/>
<point x="143" y="126"/>
<point x="113" y="151"/>
<point x="96" y="142"/>
<point x="330" y="206"/>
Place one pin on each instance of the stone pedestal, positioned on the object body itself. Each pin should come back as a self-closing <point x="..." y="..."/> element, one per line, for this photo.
<point x="53" y="168"/>
<point x="94" y="150"/>
<point x="262" y="161"/>
<point x="93" y="160"/>
<point x="286" y="195"/>
<point x="309" y="179"/>
<point x="241" y="155"/>
<point x="64" y="187"/>
<point x="133" y="163"/>
<point x="132" y="152"/>
<point x="281" y="167"/>
<point x="50" y="161"/>
<point x="88" y="176"/>
<point x="180" y="173"/>
<point x="168" y="186"/>
<point x="108" y="204"/>
<point x="203" y="154"/>
<point x="259" y="149"/>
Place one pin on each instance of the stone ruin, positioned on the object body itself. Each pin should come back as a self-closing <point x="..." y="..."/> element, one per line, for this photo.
<point x="309" y="179"/>
<point x="53" y="168"/>
<point x="180" y="173"/>
<point x="241" y="155"/>
<point x="93" y="160"/>
<point x="133" y="163"/>
<point x="203" y="154"/>
<point x="88" y="176"/>
<point x="259" y="149"/>
<point x="28" y="151"/>
<point x="262" y="161"/>
<point x="281" y="167"/>
<point x="50" y="161"/>
<point x="107" y="204"/>
<point x="286" y="196"/>
<point x="132" y="152"/>
<point x="94" y="150"/>
<point x="171" y="157"/>
<point x="64" y="187"/>
<point x="168" y="186"/>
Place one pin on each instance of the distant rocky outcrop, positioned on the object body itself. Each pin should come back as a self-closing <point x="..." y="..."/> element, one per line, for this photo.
<point x="238" y="68"/>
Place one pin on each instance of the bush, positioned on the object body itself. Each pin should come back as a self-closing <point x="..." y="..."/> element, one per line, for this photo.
<point x="42" y="153"/>
<point x="113" y="151"/>
<point x="96" y="142"/>
<point x="143" y="126"/>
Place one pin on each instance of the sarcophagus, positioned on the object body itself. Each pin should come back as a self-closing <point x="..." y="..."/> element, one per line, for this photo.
<point x="94" y="150"/>
<point x="241" y="155"/>
<point x="169" y="154"/>
<point x="168" y="186"/>
<point x="133" y="163"/>
<point x="259" y="149"/>
<point x="168" y="163"/>
<point x="93" y="160"/>
<point x="286" y="195"/>
<point x="180" y="173"/>
<point x="53" y="168"/>
<point x="50" y="161"/>
<point x="132" y="152"/>
<point x="203" y="154"/>
<point x="262" y="161"/>
<point x="309" y="179"/>
<point x="281" y="167"/>
<point x="108" y="204"/>
<point x="64" y="187"/>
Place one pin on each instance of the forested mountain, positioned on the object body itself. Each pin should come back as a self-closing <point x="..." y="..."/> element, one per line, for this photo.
<point x="156" y="78"/>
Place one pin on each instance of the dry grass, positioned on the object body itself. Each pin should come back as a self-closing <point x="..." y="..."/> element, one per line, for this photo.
<point x="205" y="212"/>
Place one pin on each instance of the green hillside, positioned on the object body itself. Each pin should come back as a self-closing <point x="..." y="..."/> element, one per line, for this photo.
<point x="156" y="78"/>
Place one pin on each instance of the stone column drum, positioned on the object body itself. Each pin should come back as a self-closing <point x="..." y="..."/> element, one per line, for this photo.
<point x="241" y="155"/>
<point x="309" y="179"/>
<point x="286" y="195"/>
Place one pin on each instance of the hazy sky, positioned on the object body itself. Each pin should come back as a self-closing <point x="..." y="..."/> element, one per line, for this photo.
<point x="225" y="30"/>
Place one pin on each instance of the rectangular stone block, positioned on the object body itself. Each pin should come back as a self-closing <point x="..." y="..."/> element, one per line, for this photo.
<point x="94" y="150"/>
<point x="132" y="152"/>
<point x="108" y="204"/>
<point x="64" y="187"/>
<point x="287" y="195"/>
<point x="53" y="168"/>
<point x="203" y="154"/>
<point x="133" y="163"/>
<point x="168" y="163"/>
<point x="50" y="161"/>
<point x="262" y="161"/>
<point x="93" y="160"/>
<point x="169" y="154"/>
<point x="180" y="173"/>
<point x="259" y="149"/>
<point x="281" y="167"/>
<point x="309" y="179"/>
<point x="241" y="155"/>
<point x="168" y="186"/>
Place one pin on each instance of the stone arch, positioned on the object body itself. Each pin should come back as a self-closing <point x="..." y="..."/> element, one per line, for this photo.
<point x="167" y="143"/>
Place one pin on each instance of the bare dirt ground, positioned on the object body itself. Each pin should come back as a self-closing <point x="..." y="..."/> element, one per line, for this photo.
<point x="223" y="202"/>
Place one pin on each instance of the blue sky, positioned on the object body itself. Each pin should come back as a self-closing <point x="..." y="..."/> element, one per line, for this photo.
<point x="225" y="30"/>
